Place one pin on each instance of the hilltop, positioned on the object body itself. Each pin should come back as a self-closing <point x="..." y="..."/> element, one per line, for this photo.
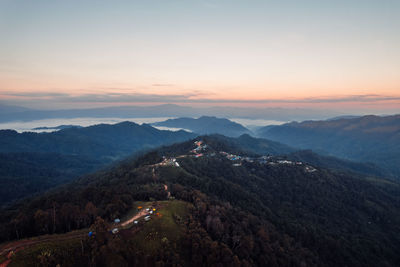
<point x="239" y="208"/>
<point x="206" y="125"/>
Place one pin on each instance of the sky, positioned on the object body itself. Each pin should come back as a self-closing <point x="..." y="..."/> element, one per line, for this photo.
<point x="342" y="55"/>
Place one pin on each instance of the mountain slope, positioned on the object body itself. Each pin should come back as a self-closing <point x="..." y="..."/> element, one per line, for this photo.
<point x="102" y="141"/>
<point x="206" y="125"/>
<point x="329" y="162"/>
<point x="24" y="174"/>
<point x="367" y="139"/>
<point x="242" y="210"/>
<point x="247" y="145"/>
<point x="34" y="162"/>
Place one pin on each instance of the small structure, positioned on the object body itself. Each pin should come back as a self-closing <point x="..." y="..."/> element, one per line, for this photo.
<point x="115" y="230"/>
<point x="117" y="220"/>
<point x="135" y="222"/>
<point x="151" y="212"/>
<point x="90" y="234"/>
<point x="147" y="218"/>
<point x="147" y="209"/>
<point x="310" y="169"/>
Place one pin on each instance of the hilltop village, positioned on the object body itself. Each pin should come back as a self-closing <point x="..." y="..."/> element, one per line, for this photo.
<point x="203" y="150"/>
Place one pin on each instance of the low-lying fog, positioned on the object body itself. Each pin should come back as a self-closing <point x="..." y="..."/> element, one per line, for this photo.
<point x="29" y="126"/>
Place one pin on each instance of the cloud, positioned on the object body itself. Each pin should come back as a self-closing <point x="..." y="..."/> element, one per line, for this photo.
<point x="34" y="94"/>
<point x="96" y="98"/>
<point x="194" y="96"/>
<point x="353" y="98"/>
<point x="162" y="84"/>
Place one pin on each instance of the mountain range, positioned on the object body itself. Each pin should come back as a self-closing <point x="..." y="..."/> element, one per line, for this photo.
<point x="220" y="205"/>
<point x="132" y="195"/>
<point x="75" y="151"/>
<point x="34" y="162"/>
<point x="15" y="113"/>
<point x="103" y="141"/>
<point x="206" y="125"/>
<point x="372" y="139"/>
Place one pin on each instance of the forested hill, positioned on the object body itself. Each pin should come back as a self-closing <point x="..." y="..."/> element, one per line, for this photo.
<point x="329" y="162"/>
<point x="31" y="163"/>
<point x="368" y="139"/>
<point x="104" y="141"/>
<point x="242" y="210"/>
<point x="25" y="174"/>
<point x="206" y="125"/>
<point x="247" y="145"/>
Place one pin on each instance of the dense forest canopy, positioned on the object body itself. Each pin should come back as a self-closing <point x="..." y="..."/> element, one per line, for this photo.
<point x="242" y="210"/>
<point x="370" y="138"/>
<point x="31" y="163"/>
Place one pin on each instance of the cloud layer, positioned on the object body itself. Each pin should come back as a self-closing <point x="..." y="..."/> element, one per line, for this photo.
<point x="45" y="98"/>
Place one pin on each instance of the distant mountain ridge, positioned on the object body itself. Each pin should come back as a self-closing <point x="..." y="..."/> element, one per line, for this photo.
<point x="368" y="139"/>
<point x="103" y="141"/>
<point x="12" y="113"/>
<point x="206" y="125"/>
<point x="59" y="127"/>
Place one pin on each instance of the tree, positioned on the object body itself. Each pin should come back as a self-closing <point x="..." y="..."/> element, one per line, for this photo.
<point x="42" y="220"/>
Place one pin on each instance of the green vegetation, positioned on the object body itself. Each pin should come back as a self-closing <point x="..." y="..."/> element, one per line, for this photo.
<point x="366" y="139"/>
<point x="162" y="229"/>
<point x="49" y="254"/>
<point x="24" y="174"/>
<point x="31" y="163"/>
<point x="206" y="125"/>
<point x="329" y="162"/>
<point x="162" y="232"/>
<point x="257" y="214"/>
<point x="3" y="258"/>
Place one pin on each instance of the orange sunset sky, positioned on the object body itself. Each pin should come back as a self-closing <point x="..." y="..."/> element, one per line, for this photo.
<point x="318" y="54"/>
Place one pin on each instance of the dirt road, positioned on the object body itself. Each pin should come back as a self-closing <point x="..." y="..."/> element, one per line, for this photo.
<point x="166" y="189"/>
<point x="141" y="213"/>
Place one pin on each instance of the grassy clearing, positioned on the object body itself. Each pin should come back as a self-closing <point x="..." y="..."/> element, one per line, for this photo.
<point x="149" y="237"/>
<point x="47" y="252"/>
<point x="2" y="258"/>
<point x="46" y="246"/>
<point x="162" y="229"/>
